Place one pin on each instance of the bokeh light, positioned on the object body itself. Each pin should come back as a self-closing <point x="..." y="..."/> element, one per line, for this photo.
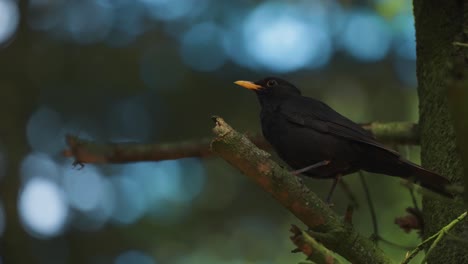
<point x="234" y="44"/>
<point x="129" y="22"/>
<point x="44" y="15"/>
<point x="83" y="187"/>
<point x="9" y="19"/>
<point x="130" y="203"/>
<point x="192" y="180"/>
<point x="134" y="256"/>
<point x="130" y="119"/>
<point x="279" y="38"/>
<point x="201" y="47"/>
<point x="169" y="10"/>
<point x="38" y="164"/>
<point x="155" y="188"/>
<point x="95" y="218"/>
<point x="405" y="39"/>
<point x="43" y="131"/>
<point x="158" y="180"/>
<point x="321" y="49"/>
<point x="88" y="21"/>
<point x="42" y="208"/>
<point x="336" y="17"/>
<point x="367" y="36"/>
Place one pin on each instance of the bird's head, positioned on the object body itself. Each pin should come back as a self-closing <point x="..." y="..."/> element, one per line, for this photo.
<point x="270" y="89"/>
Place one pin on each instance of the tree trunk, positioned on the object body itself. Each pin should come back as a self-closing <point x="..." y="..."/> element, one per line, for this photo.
<point x="438" y="25"/>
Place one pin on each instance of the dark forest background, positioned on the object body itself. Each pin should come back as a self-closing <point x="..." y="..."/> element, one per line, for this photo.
<point x="155" y="71"/>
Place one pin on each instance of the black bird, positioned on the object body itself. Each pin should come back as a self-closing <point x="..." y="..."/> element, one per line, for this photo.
<point x="314" y="139"/>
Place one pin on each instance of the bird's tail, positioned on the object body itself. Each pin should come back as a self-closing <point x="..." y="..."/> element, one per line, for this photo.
<point x="427" y="179"/>
<point x="390" y="164"/>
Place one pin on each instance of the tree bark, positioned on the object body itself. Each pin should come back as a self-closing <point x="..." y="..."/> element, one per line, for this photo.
<point x="438" y="25"/>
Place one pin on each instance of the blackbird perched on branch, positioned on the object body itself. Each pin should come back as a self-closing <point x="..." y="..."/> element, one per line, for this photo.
<point x="315" y="140"/>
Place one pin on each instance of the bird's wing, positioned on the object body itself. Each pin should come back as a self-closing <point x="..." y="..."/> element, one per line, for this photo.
<point x="311" y="113"/>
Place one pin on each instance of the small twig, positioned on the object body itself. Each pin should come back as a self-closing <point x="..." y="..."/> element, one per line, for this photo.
<point x="461" y="44"/>
<point x="370" y="204"/>
<point x="85" y="151"/>
<point x="410" y="255"/>
<point x="413" y="198"/>
<point x="376" y="235"/>
<point x="437" y="236"/>
<point x="314" y="251"/>
<point x="442" y="232"/>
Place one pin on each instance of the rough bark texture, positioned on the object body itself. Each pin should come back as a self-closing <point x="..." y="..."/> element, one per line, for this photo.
<point x="438" y="25"/>
<point x="458" y="93"/>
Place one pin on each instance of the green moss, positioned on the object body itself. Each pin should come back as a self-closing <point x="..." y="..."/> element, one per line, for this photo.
<point x="437" y="24"/>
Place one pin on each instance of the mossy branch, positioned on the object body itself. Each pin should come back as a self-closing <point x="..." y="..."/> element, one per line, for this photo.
<point x="86" y="151"/>
<point x="403" y="133"/>
<point x="290" y="192"/>
<point x="314" y="251"/>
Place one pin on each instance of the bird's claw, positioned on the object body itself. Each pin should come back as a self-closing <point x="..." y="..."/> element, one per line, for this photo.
<point x="78" y="164"/>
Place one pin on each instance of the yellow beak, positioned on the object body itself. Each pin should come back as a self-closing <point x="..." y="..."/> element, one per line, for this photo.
<point x="248" y="85"/>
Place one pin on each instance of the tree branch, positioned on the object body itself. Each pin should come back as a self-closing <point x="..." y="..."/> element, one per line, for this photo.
<point x="456" y="43"/>
<point x="289" y="190"/>
<point x="403" y="133"/>
<point x="314" y="251"/>
<point x="85" y="151"/>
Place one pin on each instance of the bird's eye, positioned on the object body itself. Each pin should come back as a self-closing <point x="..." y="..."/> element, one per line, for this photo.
<point x="271" y="83"/>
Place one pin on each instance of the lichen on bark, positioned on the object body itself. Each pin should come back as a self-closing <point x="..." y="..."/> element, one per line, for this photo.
<point x="438" y="23"/>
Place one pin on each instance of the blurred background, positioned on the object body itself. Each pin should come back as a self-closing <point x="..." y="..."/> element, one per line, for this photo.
<point x="155" y="71"/>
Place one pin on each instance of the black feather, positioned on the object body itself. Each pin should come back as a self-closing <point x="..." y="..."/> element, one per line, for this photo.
<point x="305" y="131"/>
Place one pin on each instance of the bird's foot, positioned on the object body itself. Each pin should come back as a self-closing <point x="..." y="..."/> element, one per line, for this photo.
<point x="313" y="166"/>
